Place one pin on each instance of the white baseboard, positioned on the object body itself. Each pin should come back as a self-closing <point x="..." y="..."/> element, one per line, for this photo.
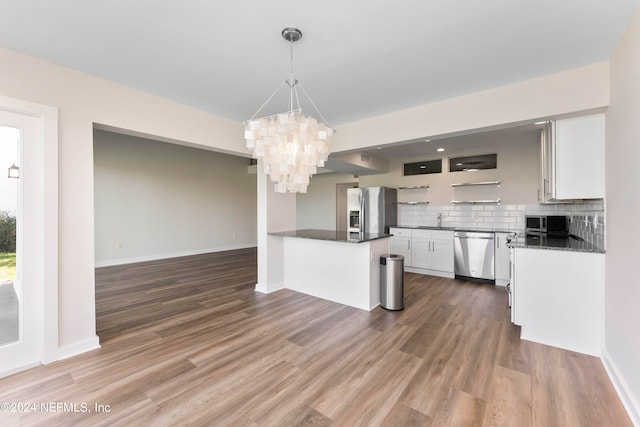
<point x="448" y="275"/>
<point x="502" y="282"/>
<point x="122" y="261"/>
<point x="74" y="349"/>
<point x="267" y="289"/>
<point x="19" y="369"/>
<point x="629" y="400"/>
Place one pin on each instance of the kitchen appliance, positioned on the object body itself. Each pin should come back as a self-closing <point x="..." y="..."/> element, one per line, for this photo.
<point x="473" y="256"/>
<point x="546" y="230"/>
<point x="554" y="225"/>
<point x="371" y="209"/>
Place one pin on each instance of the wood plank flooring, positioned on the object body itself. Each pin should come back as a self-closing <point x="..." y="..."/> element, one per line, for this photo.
<point x="187" y="341"/>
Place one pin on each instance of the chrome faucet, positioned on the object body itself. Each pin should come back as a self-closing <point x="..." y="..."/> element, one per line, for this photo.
<point x="439" y="219"/>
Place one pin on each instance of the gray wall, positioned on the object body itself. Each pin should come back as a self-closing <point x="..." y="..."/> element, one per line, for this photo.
<point x="317" y="207"/>
<point x="158" y="200"/>
<point x="517" y="169"/>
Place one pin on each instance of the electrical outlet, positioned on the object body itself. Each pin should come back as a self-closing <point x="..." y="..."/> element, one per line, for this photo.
<point x="118" y="245"/>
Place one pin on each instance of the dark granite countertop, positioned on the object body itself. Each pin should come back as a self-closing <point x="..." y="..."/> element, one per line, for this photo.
<point x="433" y="227"/>
<point x="331" y="235"/>
<point x="569" y="243"/>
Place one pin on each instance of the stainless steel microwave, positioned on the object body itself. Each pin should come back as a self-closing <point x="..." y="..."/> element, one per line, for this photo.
<point x="555" y="224"/>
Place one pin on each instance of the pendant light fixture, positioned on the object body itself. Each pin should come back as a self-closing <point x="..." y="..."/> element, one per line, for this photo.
<point x="291" y="145"/>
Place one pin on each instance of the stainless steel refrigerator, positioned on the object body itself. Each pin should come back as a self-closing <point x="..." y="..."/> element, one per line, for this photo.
<point x="372" y="209"/>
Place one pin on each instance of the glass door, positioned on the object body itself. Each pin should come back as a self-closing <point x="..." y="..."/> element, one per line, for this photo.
<point x="10" y="289"/>
<point x="21" y="288"/>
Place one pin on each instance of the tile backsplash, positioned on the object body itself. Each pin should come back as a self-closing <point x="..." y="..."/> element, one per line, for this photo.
<point x="587" y="219"/>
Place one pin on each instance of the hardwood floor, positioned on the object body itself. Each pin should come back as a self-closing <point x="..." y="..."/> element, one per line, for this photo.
<point x="188" y="342"/>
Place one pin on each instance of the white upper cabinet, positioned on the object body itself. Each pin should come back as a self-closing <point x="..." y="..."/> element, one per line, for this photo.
<point x="573" y="159"/>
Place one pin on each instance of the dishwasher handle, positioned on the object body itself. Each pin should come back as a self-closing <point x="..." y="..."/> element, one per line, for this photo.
<point x="473" y="235"/>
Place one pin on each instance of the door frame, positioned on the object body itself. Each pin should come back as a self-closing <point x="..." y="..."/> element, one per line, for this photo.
<point x="46" y="196"/>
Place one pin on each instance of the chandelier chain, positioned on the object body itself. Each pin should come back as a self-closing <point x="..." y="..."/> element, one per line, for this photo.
<point x="267" y="101"/>
<point x="304" y="92"/>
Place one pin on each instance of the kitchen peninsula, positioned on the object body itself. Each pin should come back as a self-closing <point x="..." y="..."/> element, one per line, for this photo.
<point x="334" y="265"/>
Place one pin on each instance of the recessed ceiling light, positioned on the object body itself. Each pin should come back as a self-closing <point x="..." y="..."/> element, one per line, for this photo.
<point x="427" y="140"/>
<point x="440" y="149"/>
<point x="379" y="148"/>
<point x="540" y="123"/>
<point x="458" y="164"/>
<point x="423" y="167"/>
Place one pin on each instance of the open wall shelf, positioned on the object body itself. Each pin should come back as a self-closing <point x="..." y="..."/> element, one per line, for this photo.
<point x="471" y="184"/>
<point x="475" y="202"/>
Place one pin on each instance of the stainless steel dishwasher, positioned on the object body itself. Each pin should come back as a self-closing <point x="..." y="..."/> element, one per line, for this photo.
<point x="474" y="256"/>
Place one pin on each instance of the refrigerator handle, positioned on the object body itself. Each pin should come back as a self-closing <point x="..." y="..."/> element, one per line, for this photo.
<point x="363" y="224"/>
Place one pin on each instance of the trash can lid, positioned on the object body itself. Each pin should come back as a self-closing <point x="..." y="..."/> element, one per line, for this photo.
<point x="392" y="256"/>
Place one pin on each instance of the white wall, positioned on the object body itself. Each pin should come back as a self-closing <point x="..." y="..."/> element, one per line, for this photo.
<point x="580" y="89"/>
<point x="317" y="208"/>
<point x="160" y="200"/>
<point x="276" y="212"/>
<point x="622" y="153"/>
<point x="82" y="101"/>
<point x="517" y="170"/>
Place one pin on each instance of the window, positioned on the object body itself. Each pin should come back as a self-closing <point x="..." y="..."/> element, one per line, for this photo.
<point x="424" y="167"/>
<point x="473" y="163"/>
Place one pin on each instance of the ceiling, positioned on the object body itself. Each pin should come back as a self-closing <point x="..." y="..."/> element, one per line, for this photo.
<point x="356" y="59"/>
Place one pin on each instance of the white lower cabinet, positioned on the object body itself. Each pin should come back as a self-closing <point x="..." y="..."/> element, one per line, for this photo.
<point x="442" y="252"/>
<point x="421" y="252"/>
<point x="558" y="298"/>
<point x="431" y="252"/>
<point x="502" y="266"/>
<point x="401" y="243"/>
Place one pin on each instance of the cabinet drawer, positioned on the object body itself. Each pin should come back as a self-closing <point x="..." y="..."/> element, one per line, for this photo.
<point x="442" y="235"/>
<point x="421" y="234"/>
<point x="400" y="232"/>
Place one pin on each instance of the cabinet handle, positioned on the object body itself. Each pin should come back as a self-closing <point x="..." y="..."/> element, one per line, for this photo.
<point x="498" y="242"/>
<point x="546" y="186"/>
<point x="409" y="244"/>
<point x="433" y="246"/>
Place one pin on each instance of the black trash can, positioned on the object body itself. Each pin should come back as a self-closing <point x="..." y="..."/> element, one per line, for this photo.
<point x="392" y="282"/>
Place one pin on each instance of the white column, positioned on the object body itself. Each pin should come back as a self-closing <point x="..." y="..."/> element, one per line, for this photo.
<point x="276" y="212"/>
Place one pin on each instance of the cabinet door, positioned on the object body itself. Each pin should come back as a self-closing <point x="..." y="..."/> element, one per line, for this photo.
<point x="579" y="153"/>
<point x="402" y="246"/>
<point x="502" y="267"/>
<point x="514" y="300"/>
<point x="442" y="255"/>
<point x="421" y="252"/>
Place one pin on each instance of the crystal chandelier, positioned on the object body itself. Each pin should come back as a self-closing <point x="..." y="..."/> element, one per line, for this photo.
<point x="290" y="145"/>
